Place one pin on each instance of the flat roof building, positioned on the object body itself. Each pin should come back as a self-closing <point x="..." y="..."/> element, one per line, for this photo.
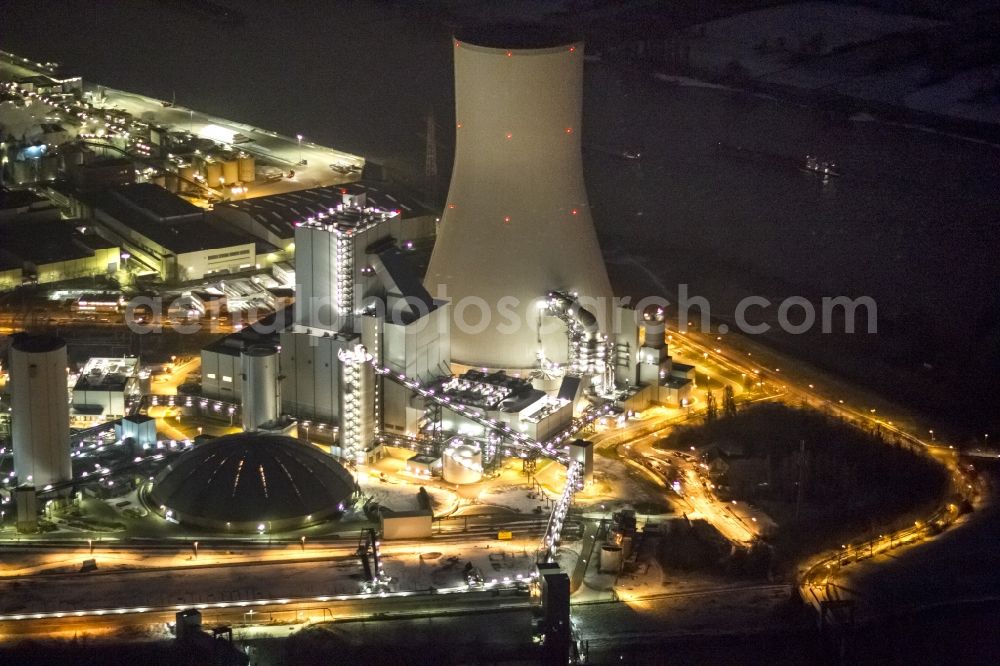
<point x="273" y="218"/>
<point x="105" y="387"/>
<point x="169" y="234"/>
<point x="52" y="250"/>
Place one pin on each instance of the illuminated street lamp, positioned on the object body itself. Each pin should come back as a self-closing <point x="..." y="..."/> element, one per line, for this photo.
<point x="195" y="546"/>
<point x="299" y="138"/>
<point x="931" y="431"/>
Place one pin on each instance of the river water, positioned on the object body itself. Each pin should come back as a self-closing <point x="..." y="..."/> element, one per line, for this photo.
<point x="911" y="223"/>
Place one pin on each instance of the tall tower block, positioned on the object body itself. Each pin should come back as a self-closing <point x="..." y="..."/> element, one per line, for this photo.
<point x="39" y="410"/>
<point x="516" y="223"/>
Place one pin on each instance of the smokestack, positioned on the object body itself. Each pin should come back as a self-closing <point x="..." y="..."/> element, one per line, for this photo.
<point x="517" y="224"/>
<point x="40" y="410"/>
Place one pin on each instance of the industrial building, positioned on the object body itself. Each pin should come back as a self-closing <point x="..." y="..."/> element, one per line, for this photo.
<point x="367" y="348"/>
<point x="168" y="235"/>
<point x="40" y="410"/>
<point x="358" y="301"/>
<point x="252" y="482"/>
<point x="51" y="250"/>
<point x="505" y="399"/>
<point x="105" y="389"/>
<point x="272" y="218"/>
<point x="221" y="361"/>
<point x="139" y="428"/>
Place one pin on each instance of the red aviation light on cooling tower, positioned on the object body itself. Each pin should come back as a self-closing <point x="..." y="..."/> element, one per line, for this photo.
<point x="506" y="219"/>
<point x="510" y="135"/>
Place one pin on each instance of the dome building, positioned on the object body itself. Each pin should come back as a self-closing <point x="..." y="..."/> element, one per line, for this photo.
<point x="238" y="482"/>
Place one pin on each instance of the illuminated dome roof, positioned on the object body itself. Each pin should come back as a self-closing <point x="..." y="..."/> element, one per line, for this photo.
<point x="239" y="481"/>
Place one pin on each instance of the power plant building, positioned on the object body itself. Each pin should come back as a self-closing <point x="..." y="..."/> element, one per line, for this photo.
<point x="382" y="356"/>
<point x="105" y="388"/>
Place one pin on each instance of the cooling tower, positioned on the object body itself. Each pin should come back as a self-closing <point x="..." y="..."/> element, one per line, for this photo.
<point x="516" y="223"/>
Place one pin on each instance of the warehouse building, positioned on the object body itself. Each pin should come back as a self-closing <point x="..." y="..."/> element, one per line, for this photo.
<point x="169" y="235"/>
<point x="44" y="251"/>
<point x="272" y="218"/>
<point x="105" y="388"/>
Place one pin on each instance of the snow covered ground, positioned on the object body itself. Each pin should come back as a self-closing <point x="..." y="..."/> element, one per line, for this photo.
<point x="844" y="50"/>
<point x="766" y="40"/>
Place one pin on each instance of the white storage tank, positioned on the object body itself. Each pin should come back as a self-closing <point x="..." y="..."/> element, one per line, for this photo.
<point x="231" y="171"/>
<point x="463" y="463"/>
<point x="247" y="169"/>
<point x="213" y="174"/>
<point x="39" y="410"/>
<point x="260" y="386"/>
<point x="611" y="559"/>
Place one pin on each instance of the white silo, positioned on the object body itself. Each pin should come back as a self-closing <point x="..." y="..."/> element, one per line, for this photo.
<point x="260" y="386"/>
<point x="462" y="463"/>
<point x="231" y="171"/>
<point x="40" y="410"/>
<point x="517" y="223"/>
<point x="247" y="169"/>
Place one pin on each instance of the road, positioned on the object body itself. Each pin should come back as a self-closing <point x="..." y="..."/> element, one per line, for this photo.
<point x="789" y="383"/>
<point x="294" y="611"/>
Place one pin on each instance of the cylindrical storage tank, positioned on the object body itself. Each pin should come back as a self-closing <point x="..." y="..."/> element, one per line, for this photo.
<point x="611" y="559"/>
<point x="248" y="169"/>
<point x="187" y="181"/>
<point x="517" y="184"/>
<point x="213" y="174"/>
<point x="462" y="464"/>
<point x="39" y="410"/>
<point x="260" y="386"/>
<point x="231" y="171"/>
